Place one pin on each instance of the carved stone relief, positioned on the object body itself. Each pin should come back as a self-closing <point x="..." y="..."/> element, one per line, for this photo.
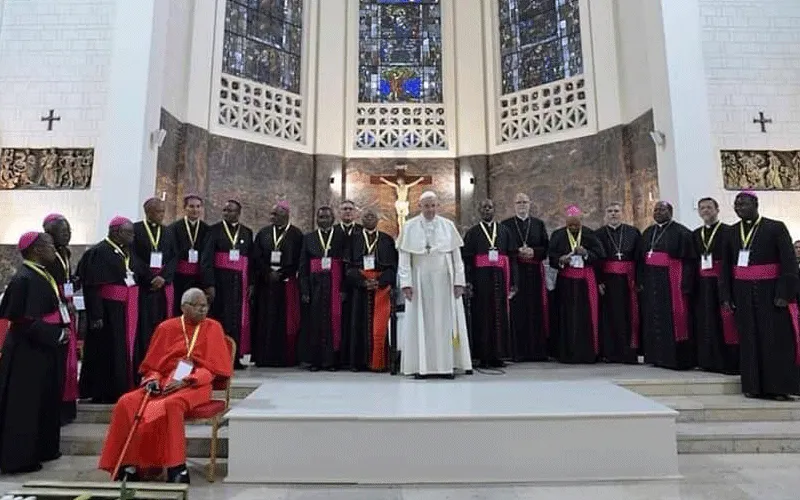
<point x="48" y="168"/>
<point x="761" y="170"/>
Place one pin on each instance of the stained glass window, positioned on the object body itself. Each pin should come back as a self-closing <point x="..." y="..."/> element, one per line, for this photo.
<point x="263" y="41"/>
<point x="540" y="42"/>
<point x="400" y="51"/>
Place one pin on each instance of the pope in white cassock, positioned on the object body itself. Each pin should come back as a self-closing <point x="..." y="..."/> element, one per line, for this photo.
<point x="431" y="275"/>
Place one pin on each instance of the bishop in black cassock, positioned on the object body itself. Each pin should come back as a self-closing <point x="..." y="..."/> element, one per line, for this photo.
<point x="371" y="273"/>
<point x="529" y="312"/>
<point x="490" y="267"/>
<point x="321" y="279"/>
<point x="57" y="226"/>
<point x="110" y="273"/>
<point x="276" y="296"/>
<point x="30" y="386"/>
<point x="224" y="261"/>
<point x="188" y="235"/>
<point x="666" y="265"/>
<point x="574" y="251"/>
<point x="761" y="274"/>
<point x="350" y="229"/>
<point x="153" y="246"/>
<point x="715" y="327"/>
<point x="620" y="330"/>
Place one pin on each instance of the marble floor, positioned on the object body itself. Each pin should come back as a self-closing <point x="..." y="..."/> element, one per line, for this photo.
<point x="705" y="477"/>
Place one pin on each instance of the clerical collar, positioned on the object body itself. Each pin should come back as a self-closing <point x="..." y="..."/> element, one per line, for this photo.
<point x="523" y="218"/>
<point x="709" y="226"/>
<point x="347" y="225"/>
<point x="371" y="231"/>
<point x="661" y="225"/>
<point x="154" y="224"/>
<point x="324" y="230"/>
<point x="614" y="228"/>
<point x="192" y="222"/>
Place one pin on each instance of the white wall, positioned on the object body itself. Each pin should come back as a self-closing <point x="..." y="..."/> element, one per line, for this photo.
<point x="177" y="57"/>
<point x="634" y="77"/>
<point x="752" y="57"/>
<point x="54" y="54"/>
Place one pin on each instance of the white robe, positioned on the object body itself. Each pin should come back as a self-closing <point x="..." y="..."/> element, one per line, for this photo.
<point x="434" y="339"/>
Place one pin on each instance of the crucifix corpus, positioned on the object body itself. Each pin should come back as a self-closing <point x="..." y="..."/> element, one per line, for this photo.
<point x="401" y="185"/>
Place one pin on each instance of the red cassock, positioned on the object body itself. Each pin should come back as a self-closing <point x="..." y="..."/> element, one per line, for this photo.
<point x="160" y="439"/>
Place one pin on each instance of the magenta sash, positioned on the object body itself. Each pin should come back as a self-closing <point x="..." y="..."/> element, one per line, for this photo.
<point x="169" y="293"/>
<point x="628" y="269"/>
<point x="70" y="393"/>
<point x="545" y="302"/>
<point x="772" y="272"/>
<point x="587" y="274"/>
<point x="222" y="261"/>
<point x="187" y="269"/>
<point x="336" y="300"/>
<point x="292" y="293"/>
<point x="729" y="332"/>
<point x="482" y="260"/>
<point x="129" y="295"/>
<point x="680" y="316"/>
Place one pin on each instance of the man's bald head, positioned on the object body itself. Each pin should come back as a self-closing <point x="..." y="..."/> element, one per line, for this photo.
<point x="154" y="209"/>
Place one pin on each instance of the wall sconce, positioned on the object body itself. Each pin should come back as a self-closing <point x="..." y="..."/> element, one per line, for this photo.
<point x="658" y="137"/>
<point x="157" y="138"/>
<point x="472" y="180"/>
<point x="332" y="179"/>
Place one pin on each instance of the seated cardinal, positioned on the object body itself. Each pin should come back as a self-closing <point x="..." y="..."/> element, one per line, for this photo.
<point x="185" y="355"/>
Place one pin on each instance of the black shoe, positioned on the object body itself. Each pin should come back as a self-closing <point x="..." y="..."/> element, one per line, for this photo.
<point x="449" y="376"/>
<point x="237" y="365"/>
<point x="127" y="473"/>
<point x="52" y="457"/>
<point x="179" y="474"/>
<point x="313" y="368"/>
<point x="332" y="369"/>
<point x="468" y="372"/>
<point x="418" y="376"/>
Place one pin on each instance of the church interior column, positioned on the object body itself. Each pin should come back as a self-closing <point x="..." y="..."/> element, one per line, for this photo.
<point x="134" y="100"/>
<point x="680" y="105"/>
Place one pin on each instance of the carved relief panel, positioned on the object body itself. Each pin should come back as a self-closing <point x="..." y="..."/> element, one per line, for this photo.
<point x="48" y="168"/>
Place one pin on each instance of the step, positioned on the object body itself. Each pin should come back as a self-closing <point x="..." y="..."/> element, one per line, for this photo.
<point x="739" y="437"/>
<point x="730" y="408"/>
<point x="89" y="413"/>
<point x="87" y="439"/>
<point x="695" y="386"/>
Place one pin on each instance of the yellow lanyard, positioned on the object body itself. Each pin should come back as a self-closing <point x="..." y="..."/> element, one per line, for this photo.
<point x="747" y="239"/>
<point x="189" y="346"/>
<point x="154" y="241"/>
<point x="573" y="241"/>
<point x="371" y="248"/>
<point x="44" y="274"/>
<point x="234" y="237"/>
<point x="277" y="240"/>
<point x="325" y="246"/>
<point x="493" y="238"/>
<point x="707" y="244"/>
<point x="118" y="250"/>
<point x="192" y="237"/>
<point x="348" y="230"/>
<point x="64" y="264"/>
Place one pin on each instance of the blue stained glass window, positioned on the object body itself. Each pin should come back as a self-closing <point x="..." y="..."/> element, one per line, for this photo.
<point x="400" y="51"/>
<point x="263" y="41"/>
<point x="540" y="42"/>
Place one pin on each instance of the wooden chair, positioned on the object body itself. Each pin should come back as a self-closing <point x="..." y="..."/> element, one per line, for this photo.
<point x="214" y="412"/>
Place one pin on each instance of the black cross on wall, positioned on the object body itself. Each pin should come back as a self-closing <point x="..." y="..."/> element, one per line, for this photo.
<point x="50" y="118"/>
<point x="763" y="121"/>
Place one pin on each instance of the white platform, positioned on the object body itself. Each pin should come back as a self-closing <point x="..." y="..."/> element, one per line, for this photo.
<point x="398" y="431"/>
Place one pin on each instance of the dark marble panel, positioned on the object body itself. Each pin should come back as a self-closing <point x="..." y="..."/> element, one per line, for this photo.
<point x="170" y="156"/>
<point x="258" y="176"/>
<point x="193" y="163"/>
<point x="359" y="188"/>
<point x="642" y="169"/>
<point x="10" y="260"/>
<point x="328" y="168"/>
<point x="617" y="164"/>
<point x="474" y="177"/>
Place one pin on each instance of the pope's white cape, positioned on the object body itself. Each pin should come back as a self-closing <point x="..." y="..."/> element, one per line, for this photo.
<point x="430" y="263"/>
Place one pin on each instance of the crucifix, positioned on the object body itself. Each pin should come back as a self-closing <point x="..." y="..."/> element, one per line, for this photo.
<point x="50" y="119"/>
<point x="401" y="185"/>
<point x="763" y="121"/>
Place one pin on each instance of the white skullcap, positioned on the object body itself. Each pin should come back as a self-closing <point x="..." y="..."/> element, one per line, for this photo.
<point x="427" y="194"/>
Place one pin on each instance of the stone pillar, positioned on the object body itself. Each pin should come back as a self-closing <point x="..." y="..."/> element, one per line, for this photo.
<point x="686" y="161"/>
<point x="126" y="168"/>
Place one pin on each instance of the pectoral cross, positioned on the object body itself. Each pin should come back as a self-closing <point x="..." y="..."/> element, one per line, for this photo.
<point x="619" y="255"/>
<point x="427" y="248"/>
